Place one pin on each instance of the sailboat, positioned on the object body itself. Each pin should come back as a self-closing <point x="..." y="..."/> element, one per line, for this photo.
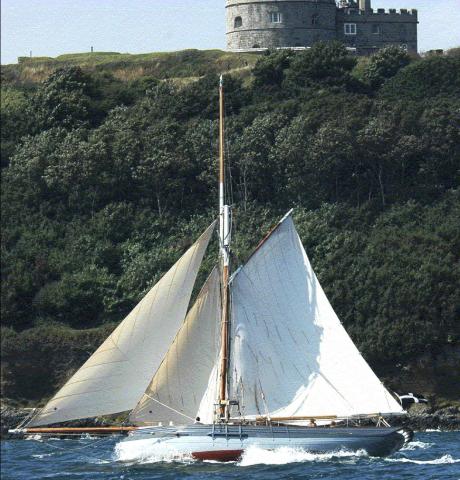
<point x="260" y="359"/>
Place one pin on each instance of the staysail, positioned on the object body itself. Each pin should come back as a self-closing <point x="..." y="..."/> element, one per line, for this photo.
<point x="291" y="355"/>
<point x="114" y="378"/>
<point x="185" y="380"/>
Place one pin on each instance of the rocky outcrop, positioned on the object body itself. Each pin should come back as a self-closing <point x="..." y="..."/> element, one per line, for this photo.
<point x="423" y="419"/>
<point x="11" y="417"/>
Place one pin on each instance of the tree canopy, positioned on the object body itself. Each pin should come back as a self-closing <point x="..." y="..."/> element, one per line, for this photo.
<point x="105" y="183"/>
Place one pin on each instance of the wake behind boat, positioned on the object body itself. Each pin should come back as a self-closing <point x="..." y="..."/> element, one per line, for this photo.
<point x="259" y="355"/>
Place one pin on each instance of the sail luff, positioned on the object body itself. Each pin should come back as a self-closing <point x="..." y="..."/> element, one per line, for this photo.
<point x="114" y="378"/>
<point x="260" y="244"/>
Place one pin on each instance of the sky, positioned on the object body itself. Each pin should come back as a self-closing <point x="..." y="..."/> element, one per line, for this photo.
<point x="54" y="27"/>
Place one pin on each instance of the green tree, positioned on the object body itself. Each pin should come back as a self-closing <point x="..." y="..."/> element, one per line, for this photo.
<point x="258" y="172"/>
<point x="385" y="64"/>
<point x="328" y="63"/>
<point x="14" y="121"/>
<point x="76" y="299"/>
<point x="269" y="71"/>
<point x="428" y="78"/>
<point x="64" y="100"/>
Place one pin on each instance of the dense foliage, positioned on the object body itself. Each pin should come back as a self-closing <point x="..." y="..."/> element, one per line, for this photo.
<point x="106" y="183"/>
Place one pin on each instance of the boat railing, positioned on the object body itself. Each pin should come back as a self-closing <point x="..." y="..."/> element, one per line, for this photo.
<point x="325" y="420"/>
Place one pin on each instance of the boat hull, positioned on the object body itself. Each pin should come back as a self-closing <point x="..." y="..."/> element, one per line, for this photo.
<point x="228" y="443"/>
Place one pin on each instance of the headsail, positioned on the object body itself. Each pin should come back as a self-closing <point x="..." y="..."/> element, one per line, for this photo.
<point x="291" y="355"/>
<point x="185" y="379"/>
<point x="117" y="374"/>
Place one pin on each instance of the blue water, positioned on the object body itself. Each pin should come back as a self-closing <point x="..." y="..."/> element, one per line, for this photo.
<point x="432" y="455"/>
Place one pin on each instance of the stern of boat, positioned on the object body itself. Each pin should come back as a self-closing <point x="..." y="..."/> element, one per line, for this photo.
<point x="397" y="440"/>
<point x="407" y="434"/>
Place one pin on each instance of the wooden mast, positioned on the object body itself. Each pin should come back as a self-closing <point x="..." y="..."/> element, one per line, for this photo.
<point x="224" y="233"/>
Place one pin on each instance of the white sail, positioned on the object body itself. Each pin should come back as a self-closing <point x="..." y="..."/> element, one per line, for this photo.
<point x="291" y="355"/>
<point x="117" y="374"/>
<point x="184" y="381"/>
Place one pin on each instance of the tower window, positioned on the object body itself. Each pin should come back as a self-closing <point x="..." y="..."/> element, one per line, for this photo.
<point x="376" y="29"/>
<point x="238" y="22"/>
<point x="315" y="19"/>
<point x="350" y="28"/>
<point x="276" y="17"/>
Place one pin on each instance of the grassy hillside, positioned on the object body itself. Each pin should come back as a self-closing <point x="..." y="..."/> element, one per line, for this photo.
<point x="124" y="66"/>
<point x="106" y="182"/>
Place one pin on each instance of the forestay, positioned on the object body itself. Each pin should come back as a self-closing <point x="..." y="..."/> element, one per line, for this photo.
<point x="180" y="386"/>
<point x="117" y="374"/>
<point x="291" y="355"/>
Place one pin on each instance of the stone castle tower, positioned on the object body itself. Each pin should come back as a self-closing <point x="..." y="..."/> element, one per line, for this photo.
<point x="262" y="24"/>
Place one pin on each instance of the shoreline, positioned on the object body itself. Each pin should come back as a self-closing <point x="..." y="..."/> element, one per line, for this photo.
<point x="444" y="420"/>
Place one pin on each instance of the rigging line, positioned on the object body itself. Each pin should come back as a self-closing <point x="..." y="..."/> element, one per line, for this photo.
<point x="34" y="413"/>
<point x="167" y="406"/>
<point x="262" y="394"/>
<point x="227" y="154"/>
<point x="211" y="143"/>
<point x="101" y="440"/>
<point x="229" y="171"/>
<point x="92" y="444"/>
<point x="335" y="389"/>
<point x="386" y="394"/>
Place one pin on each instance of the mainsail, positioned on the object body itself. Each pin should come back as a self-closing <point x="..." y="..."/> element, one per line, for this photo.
<point x="180" y="386"/>
<point x="291" y="355"/>
<point x="114" y="378"/>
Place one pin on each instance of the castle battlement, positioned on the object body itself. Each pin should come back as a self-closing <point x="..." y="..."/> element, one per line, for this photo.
<point x="260" y="24"/>
<point x="380" y="11"/>
<point x="393" y="11"/>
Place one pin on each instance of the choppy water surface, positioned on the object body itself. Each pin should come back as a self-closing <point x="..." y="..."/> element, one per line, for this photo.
<point x="432" y="455"/>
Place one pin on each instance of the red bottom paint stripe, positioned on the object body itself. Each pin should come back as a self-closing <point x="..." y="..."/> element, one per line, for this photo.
<point x="219" y="455"/>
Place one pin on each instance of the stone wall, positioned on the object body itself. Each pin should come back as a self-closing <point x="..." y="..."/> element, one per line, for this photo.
<point x="376" y="29"/>
<point x="303" y="23"/>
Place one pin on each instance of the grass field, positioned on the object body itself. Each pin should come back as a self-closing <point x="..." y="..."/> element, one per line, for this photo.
<point x="185" y="64"/>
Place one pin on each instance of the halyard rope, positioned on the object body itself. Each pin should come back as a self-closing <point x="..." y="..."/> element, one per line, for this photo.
<point x="167" y="406"/>
<point x="66" y="450"/>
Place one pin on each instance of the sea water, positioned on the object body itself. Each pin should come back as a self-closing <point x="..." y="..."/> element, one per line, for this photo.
<point x="432" y="455"/>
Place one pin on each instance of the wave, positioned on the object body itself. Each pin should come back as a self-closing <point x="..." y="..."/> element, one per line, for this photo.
<point x="283" y="455"/>
<point x="144" y="451"/>
<point x="416" y="445"/>
<point x="42" y="455"/>
<point x="445" y="459"/>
